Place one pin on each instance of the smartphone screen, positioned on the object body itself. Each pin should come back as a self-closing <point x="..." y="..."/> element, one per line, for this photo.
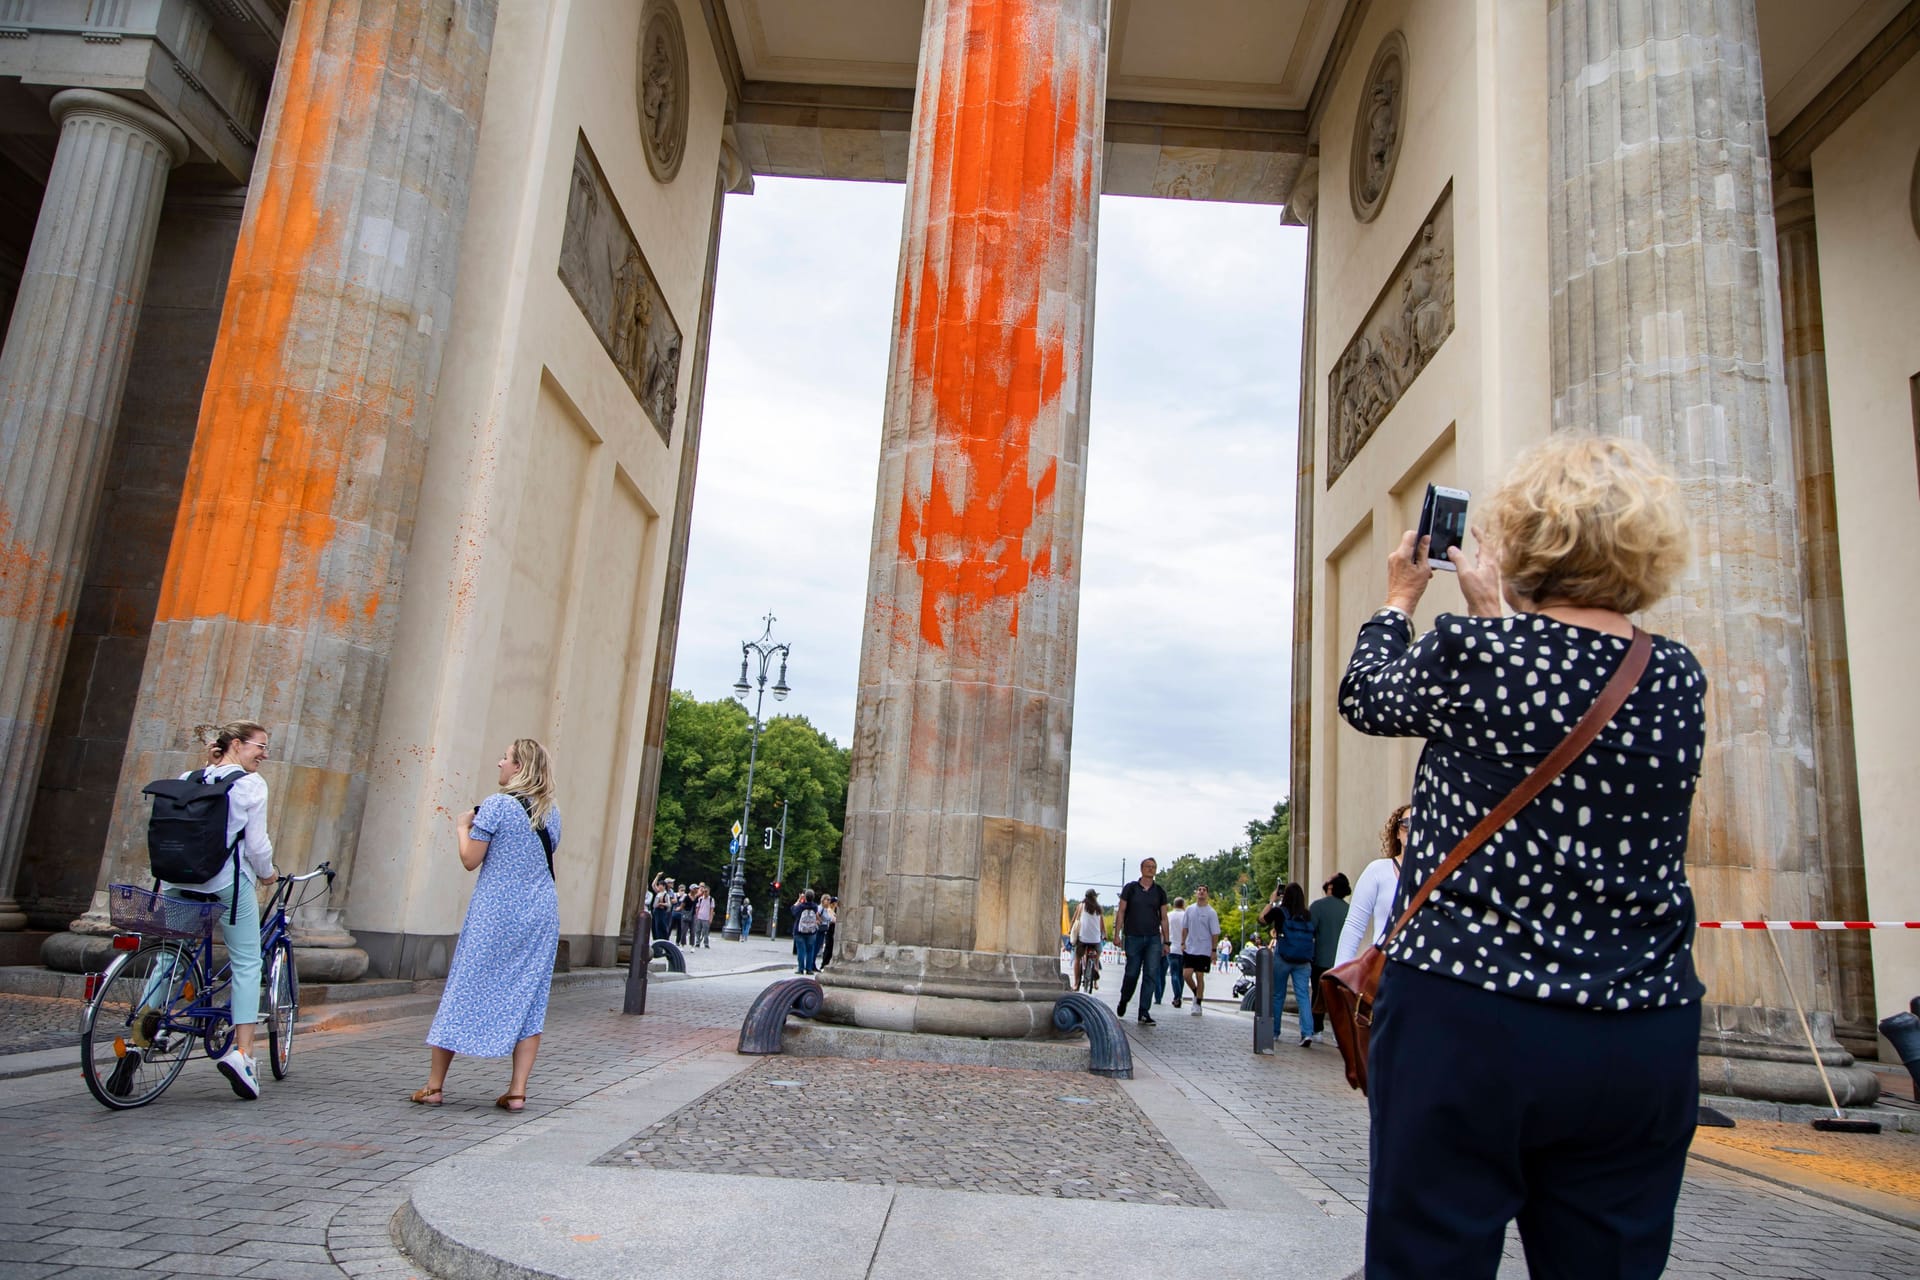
<point x="1443" y="518"/>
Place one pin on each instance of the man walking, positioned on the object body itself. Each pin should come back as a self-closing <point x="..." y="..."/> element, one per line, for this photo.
<point x="1143" y="926"/>
<point x="1203" y="930"/>
<point x="1329" y="918"/>
<point x="1175" y="965"/>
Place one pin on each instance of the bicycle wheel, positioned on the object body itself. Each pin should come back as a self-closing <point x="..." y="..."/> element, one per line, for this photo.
<point x="133" y="1039"/>
<point x="283" y="1007"/>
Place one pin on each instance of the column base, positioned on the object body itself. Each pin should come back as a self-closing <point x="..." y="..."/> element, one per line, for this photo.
<point x="1762" y="1053"/>
<point x="12" y="918"/>
<point x="935" y="991"/>
<point x="92" y="952"/>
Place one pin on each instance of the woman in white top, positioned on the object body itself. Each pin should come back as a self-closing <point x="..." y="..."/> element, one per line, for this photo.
<point x="1371" y="914"/>
<point x="1088" y="932"/>
<point x="239" y="748"/>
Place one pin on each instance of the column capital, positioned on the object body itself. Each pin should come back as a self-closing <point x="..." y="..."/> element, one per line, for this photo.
<point x="1303" y="202"/>
<point x="92" y="102"/>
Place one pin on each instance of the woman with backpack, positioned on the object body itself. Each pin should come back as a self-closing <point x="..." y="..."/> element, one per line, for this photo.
<point x="806" y="933"/>
<point x="495" y="1000"/>
<point x="236" y="751"/>
<point x="1293" y="933"/>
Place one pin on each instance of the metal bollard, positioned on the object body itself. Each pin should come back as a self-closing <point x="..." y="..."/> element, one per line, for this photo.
<point x="636" y="996"/>
<point x="1263" y="1000"/>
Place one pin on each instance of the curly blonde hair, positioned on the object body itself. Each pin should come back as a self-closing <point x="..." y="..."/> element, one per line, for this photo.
<point x="1593" y="521"/>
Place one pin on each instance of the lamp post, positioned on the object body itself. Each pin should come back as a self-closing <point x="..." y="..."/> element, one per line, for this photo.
<point x="762" y="650"/>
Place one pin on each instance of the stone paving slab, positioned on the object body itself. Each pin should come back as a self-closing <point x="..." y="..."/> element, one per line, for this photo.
<point x="917" y="1124"/>
<point x="28" y="1023"/>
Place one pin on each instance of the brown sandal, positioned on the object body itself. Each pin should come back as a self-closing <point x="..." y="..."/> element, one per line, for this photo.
<point x="506" y="1100"/>
<point x="421" y="1096"/>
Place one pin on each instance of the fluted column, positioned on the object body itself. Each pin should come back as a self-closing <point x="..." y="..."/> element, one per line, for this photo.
<point x="1303" y="207"/>
<point x="1850" y="955"/>
<point x="1666" y="328"/>
<point x="281" y="589"/>
<point x="957" y="806"/>
<point x="61" y="376"/>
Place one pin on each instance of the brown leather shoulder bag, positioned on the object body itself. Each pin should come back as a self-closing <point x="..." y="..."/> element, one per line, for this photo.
<point x="1349" y="988"/>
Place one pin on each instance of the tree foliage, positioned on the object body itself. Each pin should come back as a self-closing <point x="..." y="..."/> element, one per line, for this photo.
<point x="703" y="781"/>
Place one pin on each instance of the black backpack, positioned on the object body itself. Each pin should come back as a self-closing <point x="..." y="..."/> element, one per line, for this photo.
<point x="187" y="831"/>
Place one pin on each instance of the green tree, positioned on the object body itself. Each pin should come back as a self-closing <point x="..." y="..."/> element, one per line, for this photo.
<point x="703" y="779"/>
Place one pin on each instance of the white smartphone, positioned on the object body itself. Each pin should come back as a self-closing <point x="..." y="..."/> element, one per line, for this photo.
<point x="1443" y="518"/>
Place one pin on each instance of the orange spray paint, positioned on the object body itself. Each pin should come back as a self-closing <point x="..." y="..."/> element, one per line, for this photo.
<point x="1009" y="198"/>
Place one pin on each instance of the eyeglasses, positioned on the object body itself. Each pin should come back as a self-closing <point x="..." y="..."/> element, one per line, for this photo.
<point x="1406" y="822"/>
<point x="248" y="742"/>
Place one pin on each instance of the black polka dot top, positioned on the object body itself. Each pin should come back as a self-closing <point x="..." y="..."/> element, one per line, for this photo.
<point x="1582" y="899"/>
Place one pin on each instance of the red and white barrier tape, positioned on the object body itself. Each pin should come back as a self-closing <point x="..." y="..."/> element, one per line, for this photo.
<point x="1810" y="924"/>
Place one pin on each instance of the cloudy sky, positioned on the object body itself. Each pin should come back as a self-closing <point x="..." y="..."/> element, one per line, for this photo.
<point x="1180" y="726"/>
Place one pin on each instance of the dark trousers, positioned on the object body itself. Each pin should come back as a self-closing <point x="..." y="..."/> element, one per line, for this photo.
<point x="1319" y="999"/>
<point x="1146" y="965"/>
<point x="1490" y="1108"/>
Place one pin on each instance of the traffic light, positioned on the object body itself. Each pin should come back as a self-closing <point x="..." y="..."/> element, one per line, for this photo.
<point x="769" y="843"/>
<point x="776" y="886"/>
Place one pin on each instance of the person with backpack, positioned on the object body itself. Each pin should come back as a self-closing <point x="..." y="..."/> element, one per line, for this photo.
<point x="806" y="932"/>
<point x="495" y="1001"/>
<point x="207" y="842"/>
<point x="1293" y="937"/>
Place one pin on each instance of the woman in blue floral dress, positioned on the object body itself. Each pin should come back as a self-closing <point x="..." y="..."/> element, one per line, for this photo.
<point x="495" y="1002"/>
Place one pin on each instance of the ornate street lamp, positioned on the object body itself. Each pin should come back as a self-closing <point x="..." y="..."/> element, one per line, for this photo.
<point x="762" y="650"/>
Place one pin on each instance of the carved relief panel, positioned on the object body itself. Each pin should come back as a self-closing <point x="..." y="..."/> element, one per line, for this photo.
<point x="603" y="268"/>
<point x="1410" y="319"/>
<point x="663" y="88"/>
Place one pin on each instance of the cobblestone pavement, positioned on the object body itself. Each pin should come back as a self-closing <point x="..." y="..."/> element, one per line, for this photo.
<point x="1885" y="1162"/>
<point x="37" y="1022"/>
<point x="301" y="1185"/>
<point x="1042" y="1133"/>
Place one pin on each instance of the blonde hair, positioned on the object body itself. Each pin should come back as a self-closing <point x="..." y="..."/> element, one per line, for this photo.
<point x="1593" y="521"/>
<point x="532" y="780"/>
<point x="216" y="738"/>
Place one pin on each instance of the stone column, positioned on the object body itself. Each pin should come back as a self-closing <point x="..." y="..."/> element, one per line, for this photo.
<point x="281" y="590"/>
<point x="1666" y="328"/>
<point x="1303" y="205"/>
<point x="957" y="806"/>
<point x="1850" y="955"/>
<point x="61" y="377"/>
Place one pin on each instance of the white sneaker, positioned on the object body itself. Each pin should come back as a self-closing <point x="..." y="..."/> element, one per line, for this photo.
<point x="237" y="1067"/>
<point x="1196" y="1008"/>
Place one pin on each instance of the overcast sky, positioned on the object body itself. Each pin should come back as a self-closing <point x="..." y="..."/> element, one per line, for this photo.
<point x="1180" y="724"/>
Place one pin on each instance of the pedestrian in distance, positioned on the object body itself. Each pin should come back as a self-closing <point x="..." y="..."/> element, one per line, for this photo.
<point x="682" y="915"/>
<point x="1226" y="953"/>
<point x="746" y="918"/>
<point x="1176" y="963"/>
<point x="702" y="917"/>
<point x="1142" y="921"/>
<point x="1329" y="918"/>
<point x="806" y="932"/>
<point x="829" y="921"/>
<point x="1202" y="929"/>
<point x="235" y="750"/>
<point x="1088" y="932"/>
<point x="495" y="1001"/>
<point x="661" y="906"/>
<point x="1293" y="960"/>
<point x="1536" y="1030"/>
<point x="1372" y="910"/>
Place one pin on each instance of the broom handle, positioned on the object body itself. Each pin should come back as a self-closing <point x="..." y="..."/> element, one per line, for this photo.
<point x="1804" y="1027"/>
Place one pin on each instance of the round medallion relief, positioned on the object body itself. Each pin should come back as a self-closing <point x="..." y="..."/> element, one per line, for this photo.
<point x="663" y="88"/>
<point x="1378" y="129"/>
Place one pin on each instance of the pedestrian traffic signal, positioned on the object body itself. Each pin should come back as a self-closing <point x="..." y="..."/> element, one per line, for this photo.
<point x="776" y="886"/>
<point x="769" y="843"/>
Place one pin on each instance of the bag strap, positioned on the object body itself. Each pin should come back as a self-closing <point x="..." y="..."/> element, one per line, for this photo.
<point x="546" y="841"/>
<point x="1611" y="699"/>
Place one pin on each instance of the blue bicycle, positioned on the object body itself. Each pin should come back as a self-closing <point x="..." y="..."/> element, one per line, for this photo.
<point x="162" y="993"/>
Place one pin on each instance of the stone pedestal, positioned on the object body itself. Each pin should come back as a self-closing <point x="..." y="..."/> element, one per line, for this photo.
<point x="956" y="813"/>
<point x="1666" y="326"/>
<point x="281" y="588"/>
<point x="61" y="377"/>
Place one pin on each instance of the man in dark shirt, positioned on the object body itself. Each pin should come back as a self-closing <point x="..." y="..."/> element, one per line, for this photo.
<point x="1329" y="918"/>
<point x="1143" y="925"/>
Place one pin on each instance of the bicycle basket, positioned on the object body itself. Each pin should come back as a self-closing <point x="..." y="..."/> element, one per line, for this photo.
<point x="142" y="911"/>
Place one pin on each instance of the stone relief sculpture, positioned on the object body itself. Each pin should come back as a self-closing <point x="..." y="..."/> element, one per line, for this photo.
<point x="663" y="88"/>
<point x="1408" y="323"/>
<point x="1378" y="131"/>
<point x="603" y="268"/>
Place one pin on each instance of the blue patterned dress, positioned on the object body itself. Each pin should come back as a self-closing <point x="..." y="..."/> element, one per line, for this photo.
<point x="496" y="994"/>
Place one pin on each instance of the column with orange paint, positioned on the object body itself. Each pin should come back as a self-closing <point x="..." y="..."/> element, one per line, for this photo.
<point x="956" y="818"/>
<point x="279" y="598"/>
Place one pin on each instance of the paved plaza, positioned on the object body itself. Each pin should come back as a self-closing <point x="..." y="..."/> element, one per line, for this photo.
<point x="306" y="1182"/>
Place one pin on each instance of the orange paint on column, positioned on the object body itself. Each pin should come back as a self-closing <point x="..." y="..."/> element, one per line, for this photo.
<point x="1009" y="195"/>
